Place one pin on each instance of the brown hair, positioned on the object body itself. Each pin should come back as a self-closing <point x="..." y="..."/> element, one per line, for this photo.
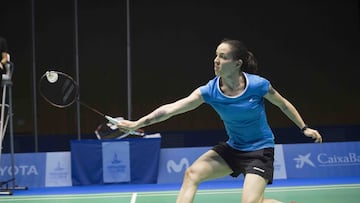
<point x="239" y="51"/>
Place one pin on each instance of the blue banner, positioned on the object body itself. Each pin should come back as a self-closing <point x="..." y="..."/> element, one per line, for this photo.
<point x="29" y="169"/>
<point x="322" y="160"/>
<point x="142" y="161"/>
<point x="132" y="160"/>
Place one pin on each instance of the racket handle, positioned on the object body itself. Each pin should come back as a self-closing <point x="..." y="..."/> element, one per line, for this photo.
<point x="112" y="120"/>
<point x="141" y="134"/>
<point x="115" y="122"/>
<point x="133" y="132"/>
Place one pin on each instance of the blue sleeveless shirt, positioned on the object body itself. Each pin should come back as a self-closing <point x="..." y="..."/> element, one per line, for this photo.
<point x="243" y="115"/>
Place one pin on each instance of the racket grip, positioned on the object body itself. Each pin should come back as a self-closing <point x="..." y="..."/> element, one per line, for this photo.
<point x="133" y="132"/>
<point x="141" y="134"/>
<point x="112" y="120"/>
<point x="115" y="122"/>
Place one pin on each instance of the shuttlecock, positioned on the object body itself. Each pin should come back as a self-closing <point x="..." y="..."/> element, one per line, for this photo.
<point x="51" y="76"/>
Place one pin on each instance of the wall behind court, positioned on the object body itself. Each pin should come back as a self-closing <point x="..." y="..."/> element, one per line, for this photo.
<point x="308" y="50"/>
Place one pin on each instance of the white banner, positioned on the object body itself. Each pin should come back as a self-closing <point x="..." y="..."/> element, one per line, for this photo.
<point x="58" y="169"/>
<point x="279" y="163"/>
<point x="116" y="162"/>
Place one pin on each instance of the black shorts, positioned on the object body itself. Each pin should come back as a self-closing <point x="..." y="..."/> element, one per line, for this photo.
<point x="260" y="162"/>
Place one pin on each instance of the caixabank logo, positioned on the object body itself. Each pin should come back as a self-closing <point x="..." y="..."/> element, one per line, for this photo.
<point x="314" y="160"/>
<point x="328" y="160"/>
<point x="348" y="159"/>
<point x="302" y="160"/>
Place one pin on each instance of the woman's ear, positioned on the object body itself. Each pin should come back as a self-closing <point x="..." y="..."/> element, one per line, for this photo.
<point x="239" y="62"/>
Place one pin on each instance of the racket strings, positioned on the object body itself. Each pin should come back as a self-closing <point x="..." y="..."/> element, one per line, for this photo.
<point x="67" y="90"/>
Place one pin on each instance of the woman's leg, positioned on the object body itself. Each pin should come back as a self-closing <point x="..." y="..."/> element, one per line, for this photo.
<point x="208" y="166"/>
<point x="254" y="188"/>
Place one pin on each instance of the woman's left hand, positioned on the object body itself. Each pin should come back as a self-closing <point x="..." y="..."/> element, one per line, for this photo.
<point x="314" y="134"/>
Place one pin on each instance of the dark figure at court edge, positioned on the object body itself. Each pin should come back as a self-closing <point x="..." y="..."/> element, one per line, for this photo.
<point x="5" y="56"/>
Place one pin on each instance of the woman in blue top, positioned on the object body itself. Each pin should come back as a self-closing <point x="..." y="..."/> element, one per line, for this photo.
<point x="237" y="95"/>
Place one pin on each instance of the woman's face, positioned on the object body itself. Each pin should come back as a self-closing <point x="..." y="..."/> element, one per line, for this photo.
<point x="224" y="64"/>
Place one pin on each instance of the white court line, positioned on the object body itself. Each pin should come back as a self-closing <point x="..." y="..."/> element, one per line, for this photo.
<point x="174" y="193"/>
<point x="133" y="198"/>
<point x="64" y="197"/>
<point x="272" y="190"/>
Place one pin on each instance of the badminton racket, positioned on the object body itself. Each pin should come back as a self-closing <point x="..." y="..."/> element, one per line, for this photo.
<point x="61" y="90"/>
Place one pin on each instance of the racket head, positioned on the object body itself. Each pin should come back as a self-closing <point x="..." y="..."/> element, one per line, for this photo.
<point x="61" y="91"/>
<point x="107" y="131"/>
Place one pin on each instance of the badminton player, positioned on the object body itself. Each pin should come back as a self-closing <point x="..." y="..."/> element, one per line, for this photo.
<point x="237" y="94"/>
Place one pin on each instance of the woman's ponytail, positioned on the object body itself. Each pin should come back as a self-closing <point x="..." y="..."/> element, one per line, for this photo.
<point x="250" y="64"/>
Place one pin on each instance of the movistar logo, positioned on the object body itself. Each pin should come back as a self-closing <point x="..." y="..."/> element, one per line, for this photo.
<point x="171" y="166"/>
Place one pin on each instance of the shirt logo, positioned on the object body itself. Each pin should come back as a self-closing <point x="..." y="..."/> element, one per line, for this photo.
<point x="259" y="169"/>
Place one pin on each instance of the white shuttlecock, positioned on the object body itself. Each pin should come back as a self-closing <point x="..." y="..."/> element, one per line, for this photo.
<point x="51" y="76"/>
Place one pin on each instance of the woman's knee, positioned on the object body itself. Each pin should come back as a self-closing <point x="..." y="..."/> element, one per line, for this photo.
<point x="192" y="175"/>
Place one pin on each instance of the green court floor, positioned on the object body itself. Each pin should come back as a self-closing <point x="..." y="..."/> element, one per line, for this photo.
<point x="349" y="193"/>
